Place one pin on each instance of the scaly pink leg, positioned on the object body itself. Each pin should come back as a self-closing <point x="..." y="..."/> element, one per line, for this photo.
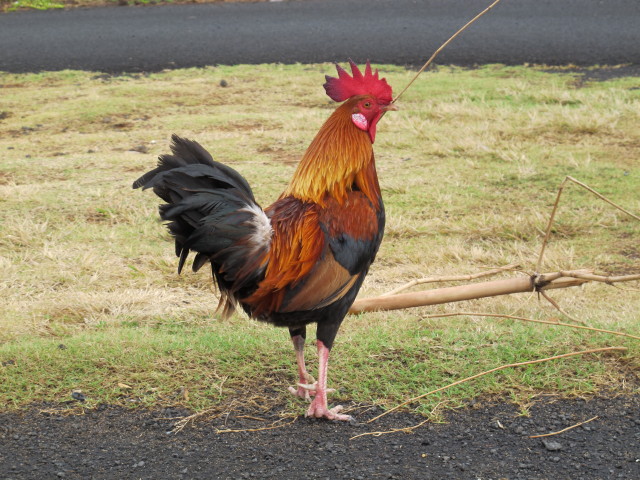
<point x="305" y="381"/>
<point x="319" y="407"/>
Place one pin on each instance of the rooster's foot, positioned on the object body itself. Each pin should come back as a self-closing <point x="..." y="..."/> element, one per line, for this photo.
<point x="321" y="411"/>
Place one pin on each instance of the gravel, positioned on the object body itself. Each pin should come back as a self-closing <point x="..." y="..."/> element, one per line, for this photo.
<point x="486" y="441"/>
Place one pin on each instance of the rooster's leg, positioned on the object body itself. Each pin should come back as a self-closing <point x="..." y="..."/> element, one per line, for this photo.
<point x="306" y="383"/>
<point x="319" y="407"/>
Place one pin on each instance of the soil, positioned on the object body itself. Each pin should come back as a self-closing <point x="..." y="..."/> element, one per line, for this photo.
<point x="483" y="441"/>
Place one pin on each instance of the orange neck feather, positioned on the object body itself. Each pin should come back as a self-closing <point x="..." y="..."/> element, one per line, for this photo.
<point x="339" y="157"/>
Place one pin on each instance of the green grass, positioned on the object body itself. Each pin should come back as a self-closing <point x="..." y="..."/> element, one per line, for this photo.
<point x="469" y="168"/>
<point x="14" y="5"/>
<point x="32" y="4"/>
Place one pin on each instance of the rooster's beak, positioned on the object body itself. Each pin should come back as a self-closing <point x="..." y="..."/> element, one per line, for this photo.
<point x="389" y="107"/>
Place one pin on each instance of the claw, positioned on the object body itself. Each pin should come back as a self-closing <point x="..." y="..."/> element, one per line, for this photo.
<point x="313" y="387"/>
<point x="305" y="390"/>
<point x="301" y="392"/>
<point x="330" y="414"/>
<point x="308" y="386"/>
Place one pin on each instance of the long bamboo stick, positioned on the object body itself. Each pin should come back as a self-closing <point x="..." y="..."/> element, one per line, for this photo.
<point x="473" y="291"/>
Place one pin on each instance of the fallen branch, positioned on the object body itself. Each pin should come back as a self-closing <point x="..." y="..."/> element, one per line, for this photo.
<point x="511" y="365"/>
<point x="508" y="286"/>
<point x="466" y="292"/>
<point x="535" y="282"/>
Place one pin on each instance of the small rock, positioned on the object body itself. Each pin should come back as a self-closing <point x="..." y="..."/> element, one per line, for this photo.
<point x="140" y="148"/>
<point x="78" y="395"/>
<point x="223" y="83"/>
<point x="552" y="445"/>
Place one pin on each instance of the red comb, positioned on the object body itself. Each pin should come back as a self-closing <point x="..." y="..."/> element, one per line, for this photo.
<point x="347" y="86"/>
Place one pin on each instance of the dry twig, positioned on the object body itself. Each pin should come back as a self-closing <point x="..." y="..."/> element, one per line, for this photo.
<point x="395" y="430"/>
<point x="559" y="308"/>
<point x="608" y="279"/>
<point x="555" y="208"/>
<point x="179" y="426"/>
<point x="510" y="365"/>
<point x="435" y="54"/>
<point x="564" y="429"/>
<point x="270" y="427"/>
<point x="450" y="278"/>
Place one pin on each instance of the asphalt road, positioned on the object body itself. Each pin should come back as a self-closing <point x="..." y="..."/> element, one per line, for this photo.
<point x="403" y="32"/>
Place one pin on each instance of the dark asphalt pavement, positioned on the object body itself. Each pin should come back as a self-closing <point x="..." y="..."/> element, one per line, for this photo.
<point x="403" y="32"/>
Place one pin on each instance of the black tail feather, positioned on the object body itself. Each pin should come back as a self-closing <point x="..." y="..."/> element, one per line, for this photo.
<point x="210" y="210"/>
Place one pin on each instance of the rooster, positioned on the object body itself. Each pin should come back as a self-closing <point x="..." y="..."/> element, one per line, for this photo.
<point x="303" y="259"/>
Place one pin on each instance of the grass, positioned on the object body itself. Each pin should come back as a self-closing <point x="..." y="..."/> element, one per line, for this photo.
<point x="469" y="170"/>
<point x="14" y="5"/>
<point x="31" y="4"/>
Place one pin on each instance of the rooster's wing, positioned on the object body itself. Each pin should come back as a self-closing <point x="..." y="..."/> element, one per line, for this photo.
<point x="318" y="253"/>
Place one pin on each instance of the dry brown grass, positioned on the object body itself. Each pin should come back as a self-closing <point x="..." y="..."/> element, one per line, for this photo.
<point x="469" y="169"/>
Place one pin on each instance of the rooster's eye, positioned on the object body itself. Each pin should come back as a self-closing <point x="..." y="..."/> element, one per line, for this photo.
<point x="367" y="105"/>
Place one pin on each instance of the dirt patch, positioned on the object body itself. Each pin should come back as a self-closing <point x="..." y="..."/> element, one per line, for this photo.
<point x="483" y="441"/>
<point x="241" y="126"/>
<point x="280" y="155"/>
<point x="6" y="178"/>
<point x="598" y="74"/>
